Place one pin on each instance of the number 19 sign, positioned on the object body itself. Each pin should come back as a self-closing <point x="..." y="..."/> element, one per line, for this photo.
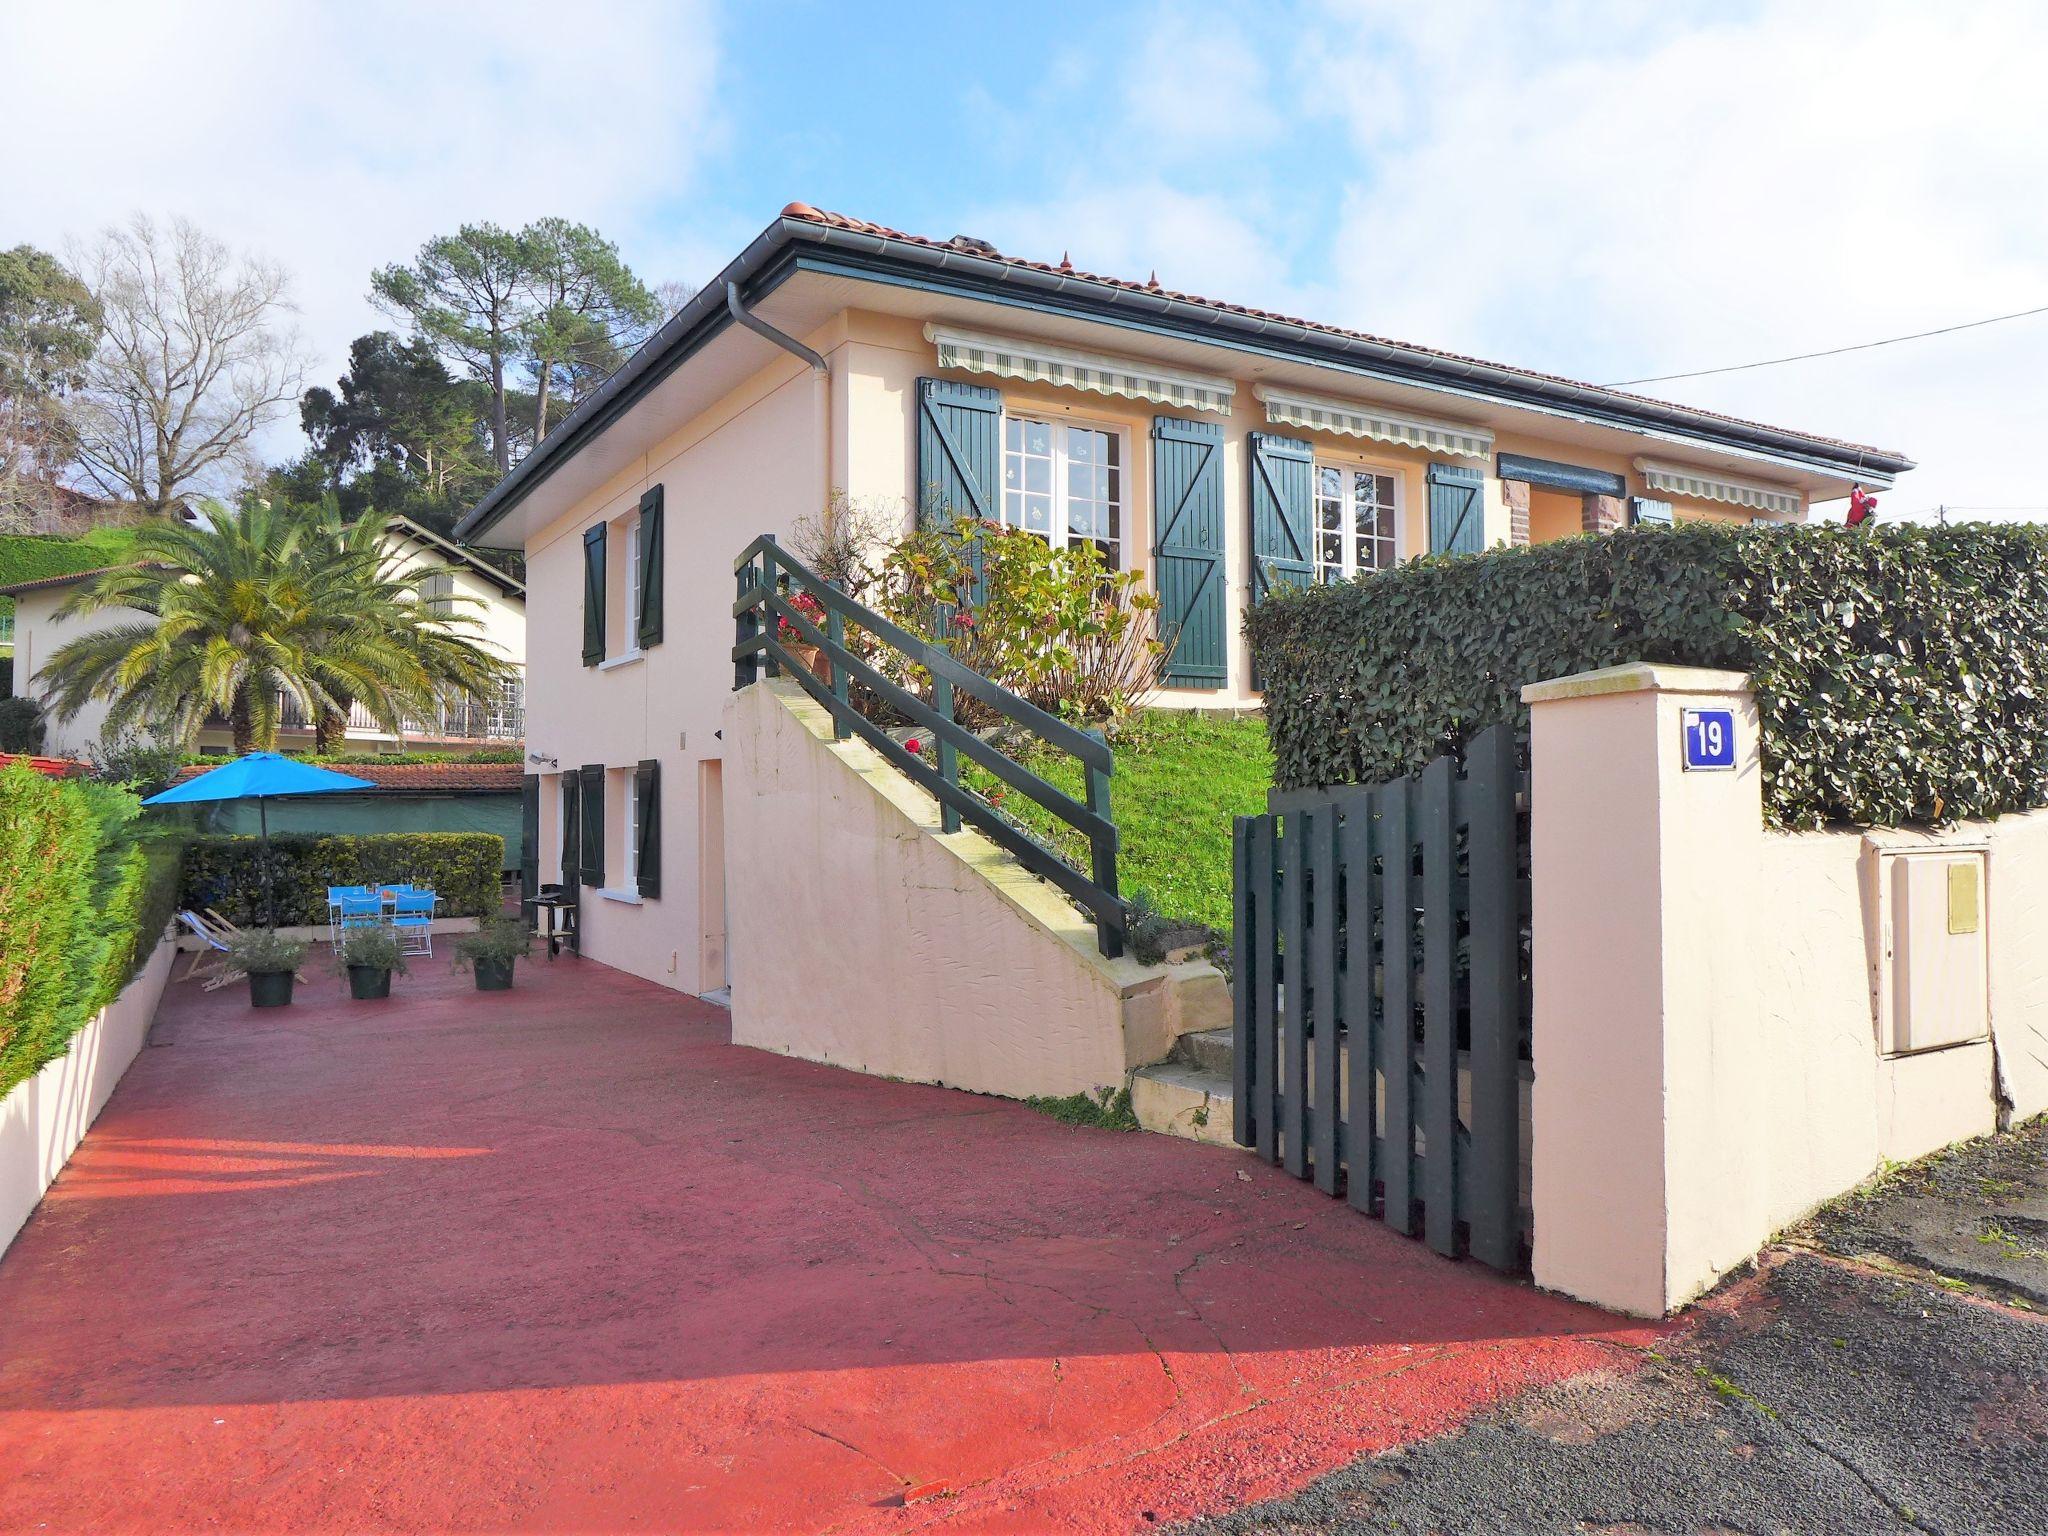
<point x="1709" y="740"/>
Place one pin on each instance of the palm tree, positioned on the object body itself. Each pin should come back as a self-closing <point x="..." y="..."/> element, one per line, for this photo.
<point x="258" y="605"/>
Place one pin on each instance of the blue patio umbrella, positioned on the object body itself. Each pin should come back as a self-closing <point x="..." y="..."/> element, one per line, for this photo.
<point x="259" y="776"/>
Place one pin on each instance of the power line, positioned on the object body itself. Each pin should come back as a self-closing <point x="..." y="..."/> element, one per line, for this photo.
<point x="1861" y="346"/>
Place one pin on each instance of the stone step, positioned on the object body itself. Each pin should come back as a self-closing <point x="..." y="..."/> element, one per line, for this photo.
<point x="1208" y="1050"/>
<point x="1175" y="1098"/>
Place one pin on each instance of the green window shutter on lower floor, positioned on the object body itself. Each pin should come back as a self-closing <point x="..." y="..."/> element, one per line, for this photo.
<point x="647" y="827"/>
<point x="571" y="829"/>
<point x="593" y="595"/>
<point x="529" y="836"/>
<point x="1187" y="552"/>
<point x="1279" y="505"/>
<point x="590" y="831"/>
<point x="1457" y="510"/>
<point x="651" y="575"/>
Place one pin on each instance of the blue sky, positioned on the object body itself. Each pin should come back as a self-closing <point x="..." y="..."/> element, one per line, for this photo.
<point x="1598" y="188"/>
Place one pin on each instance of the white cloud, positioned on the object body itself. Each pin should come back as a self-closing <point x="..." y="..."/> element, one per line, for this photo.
<point x="337" y="138"/>
<point x="1806" y="176"/>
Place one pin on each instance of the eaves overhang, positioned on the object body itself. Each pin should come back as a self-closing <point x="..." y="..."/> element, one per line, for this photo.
<point x="790" y="245"/>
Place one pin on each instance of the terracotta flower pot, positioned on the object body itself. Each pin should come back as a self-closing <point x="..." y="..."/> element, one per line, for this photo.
<point x="812" y="659"/>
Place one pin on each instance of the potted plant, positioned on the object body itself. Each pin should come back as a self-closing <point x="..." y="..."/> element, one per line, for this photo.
<point x="793" y="641"/>
<point x="368" y="955"/>
<point x="499" y="941"/>
<point x="270" y="962"/>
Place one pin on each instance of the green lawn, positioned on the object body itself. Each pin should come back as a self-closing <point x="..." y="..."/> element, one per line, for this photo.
<point x="1179" y="780"/>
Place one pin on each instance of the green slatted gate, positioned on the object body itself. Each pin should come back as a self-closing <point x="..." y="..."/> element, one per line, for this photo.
<point x="1382" y="997"/>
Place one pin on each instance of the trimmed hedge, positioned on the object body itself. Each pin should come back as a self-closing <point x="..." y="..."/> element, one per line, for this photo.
<point x="1901" y="675"/>
<point x="85" y="894"/>
<point x="222" y="872"/>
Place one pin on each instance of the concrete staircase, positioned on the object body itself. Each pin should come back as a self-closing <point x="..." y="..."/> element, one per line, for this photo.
<point x="1189" y="1093"/>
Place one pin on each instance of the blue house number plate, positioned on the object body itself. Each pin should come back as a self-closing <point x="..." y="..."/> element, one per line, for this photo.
<point x="1709" y="740"/>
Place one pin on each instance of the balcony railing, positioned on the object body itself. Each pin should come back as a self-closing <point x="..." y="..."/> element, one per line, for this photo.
<point x="502" y="718"/>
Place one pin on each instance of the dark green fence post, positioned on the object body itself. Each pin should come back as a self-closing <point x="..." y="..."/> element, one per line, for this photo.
<point x="745" y="627"/>
<point x="835" y="631"/>
<point x="949" y="755"/>
<point x="769" y="578"/>
<point x="1102" y="854"/>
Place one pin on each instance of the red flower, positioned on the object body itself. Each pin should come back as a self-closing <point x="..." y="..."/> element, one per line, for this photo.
<point x="914" y="745"/>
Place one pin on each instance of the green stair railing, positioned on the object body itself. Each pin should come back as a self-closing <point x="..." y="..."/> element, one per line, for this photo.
<point x="768" y="577"/>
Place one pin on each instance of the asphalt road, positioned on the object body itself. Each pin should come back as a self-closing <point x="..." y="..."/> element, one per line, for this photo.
<point x="1826" y="1393"/>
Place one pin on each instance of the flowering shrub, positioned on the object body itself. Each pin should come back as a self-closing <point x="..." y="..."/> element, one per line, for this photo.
<point x="814" y="615"/>
<point x="1055" y="625"/>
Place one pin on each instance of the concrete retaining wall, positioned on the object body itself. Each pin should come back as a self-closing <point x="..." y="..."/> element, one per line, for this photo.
<point x="864" y="936"/>
<point x="43" y="1119"/>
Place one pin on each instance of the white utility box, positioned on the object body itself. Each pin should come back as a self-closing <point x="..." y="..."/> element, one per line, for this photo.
<point x="1932" y="985"/>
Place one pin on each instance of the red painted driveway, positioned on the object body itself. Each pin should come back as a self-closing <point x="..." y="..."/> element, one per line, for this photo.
<point x="565" y="1259"/>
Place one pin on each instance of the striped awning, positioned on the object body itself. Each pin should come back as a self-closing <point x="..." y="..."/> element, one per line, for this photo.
<point x="1036" y="362"/>
<point x="1702" y="485"/>
<point x="1352" y="418"/>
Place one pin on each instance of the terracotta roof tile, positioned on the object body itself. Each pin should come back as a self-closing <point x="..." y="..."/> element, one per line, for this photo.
<point x="972" y="247"/>
<point x="419" y="778"/>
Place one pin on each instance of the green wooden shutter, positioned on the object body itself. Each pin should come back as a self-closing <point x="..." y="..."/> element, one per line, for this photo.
<point x="959" y="451"/>
<point x="1457" y="510"/>
<point x="1187" y="551"/>
<point x="529" y="836"/>
<point x="593" y="595"/>
<point x="590" y="833"/>
<point x="1280" y="514"/>
<point x="647" y="826"/>
<point x="650" y="568"/>
<point x="959" y="459"/>
<point x="571" y="830"/>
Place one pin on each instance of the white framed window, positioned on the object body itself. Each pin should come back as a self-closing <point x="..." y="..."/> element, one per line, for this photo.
<point x="630" y="641"/>
<point x="1065" y="482"/>
<point x="629" y="855"/>
<point x="1356" y="511"/>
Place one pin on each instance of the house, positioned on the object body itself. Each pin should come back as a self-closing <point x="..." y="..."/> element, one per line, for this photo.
<point x="494" y="599"/>
<point x="1222" y="450"/>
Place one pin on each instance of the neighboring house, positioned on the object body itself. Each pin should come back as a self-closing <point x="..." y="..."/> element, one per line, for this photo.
<point x="408" y="797"/>
<point x="1221" y="450"/>
<point x="497" y="602"/>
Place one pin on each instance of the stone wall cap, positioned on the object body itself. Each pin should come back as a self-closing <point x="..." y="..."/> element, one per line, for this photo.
<point x="1636" y="677"/>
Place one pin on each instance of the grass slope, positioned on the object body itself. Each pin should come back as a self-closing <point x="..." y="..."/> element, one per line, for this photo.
<point x="1179" y="780"/>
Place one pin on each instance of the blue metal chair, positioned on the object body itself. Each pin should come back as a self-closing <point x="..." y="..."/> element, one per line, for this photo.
<point x="412" y="914"/>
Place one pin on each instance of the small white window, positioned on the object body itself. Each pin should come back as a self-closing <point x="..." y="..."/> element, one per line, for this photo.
<point x="1354" y="522"/>
<point x="1064" y="482"/>
<point x="629" y="858"/>
<point x="630" y="641"/>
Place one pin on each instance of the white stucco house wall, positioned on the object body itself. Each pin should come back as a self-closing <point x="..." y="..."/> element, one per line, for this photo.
<point x="492" y="599"/>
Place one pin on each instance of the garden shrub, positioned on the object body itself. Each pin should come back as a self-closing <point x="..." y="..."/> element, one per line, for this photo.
<point x="22" y="728"/>
<point x="1900" y="675"/>
<point x="1057" y="626"/>
<point x="222" y="872"/>
<point x="86" y="891"/>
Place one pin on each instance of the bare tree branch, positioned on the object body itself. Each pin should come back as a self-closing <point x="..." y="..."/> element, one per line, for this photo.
<point x="196" y="358"/>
